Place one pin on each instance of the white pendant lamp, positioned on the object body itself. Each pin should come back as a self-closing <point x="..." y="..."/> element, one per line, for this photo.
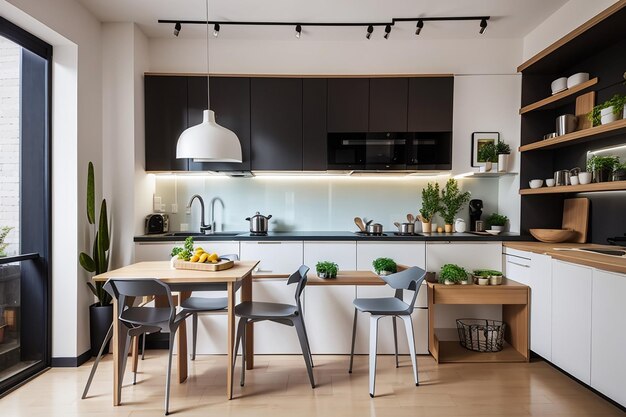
<point x="208" y="141"/>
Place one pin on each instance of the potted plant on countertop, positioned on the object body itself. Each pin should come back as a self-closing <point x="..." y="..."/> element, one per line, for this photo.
<point x="481" y="276"/>
<point x="497" y="221"/>
<point x="326" y="269"/>
<point x="609" y="111"/>
<point x="101" y="312"/>
<point x="385" y="266"/>
<point x="619" y="172"/>
<point x="503" y="150"/>
<point x="452" y="201"/>
<point x="487" y="154"/>
<point x="602" y="167"/>
<point x="430" y="205"/>
<point x="451" y="274"/>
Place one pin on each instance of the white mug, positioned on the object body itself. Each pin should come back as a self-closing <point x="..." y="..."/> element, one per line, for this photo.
<point x="573" y="180"/>
<point x="550" y="182"/>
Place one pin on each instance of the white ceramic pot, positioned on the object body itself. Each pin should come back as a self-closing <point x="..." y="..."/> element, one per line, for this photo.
<point x="558" y="85"/>
<point x="550" y="182"/>
<point x="607" y="115"/>
<point x="499" y="228"/>
<point x="465" y="282"/>
<point x="460" y="226"/>
<point x="483" y="281"/>
<point x="488" y="166"/>
<point x="503" y="162"/>
<point x="584" y="177"/>
<point x="573" y="180"/>
<point x="447" y="282"/>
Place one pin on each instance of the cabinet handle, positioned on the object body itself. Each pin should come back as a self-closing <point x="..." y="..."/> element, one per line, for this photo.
<point x="269" y="243"/>
<point x="522" y="265"/>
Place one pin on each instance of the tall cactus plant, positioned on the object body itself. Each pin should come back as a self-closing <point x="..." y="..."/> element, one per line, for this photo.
<point x="98" y="262"/>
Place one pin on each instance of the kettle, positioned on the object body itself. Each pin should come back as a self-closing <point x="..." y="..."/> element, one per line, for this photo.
<point x="459" y="225"/>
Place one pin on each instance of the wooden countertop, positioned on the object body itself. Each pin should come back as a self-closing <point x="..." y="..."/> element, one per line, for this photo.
<point x="594" y="260"/>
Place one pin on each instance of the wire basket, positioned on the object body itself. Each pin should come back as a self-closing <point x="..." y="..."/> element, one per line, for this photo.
<point x="481" y="335"/>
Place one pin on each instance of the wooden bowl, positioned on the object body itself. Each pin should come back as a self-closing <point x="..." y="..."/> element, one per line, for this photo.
<point x="552" y="235"/>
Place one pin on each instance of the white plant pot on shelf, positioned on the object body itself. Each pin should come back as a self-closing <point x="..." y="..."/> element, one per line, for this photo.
<point x="503" y="162"/>
<point x="486" y="168"/>
<point x="607" y="115"/>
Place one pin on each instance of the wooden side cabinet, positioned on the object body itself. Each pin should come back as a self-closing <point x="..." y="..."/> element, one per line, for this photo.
<point x="430" y="104"/>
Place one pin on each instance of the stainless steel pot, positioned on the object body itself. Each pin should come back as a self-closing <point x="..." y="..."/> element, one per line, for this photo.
<point x="406" y="228"/>
<point x="259" y="223"/>
<point x="561" y="177"/>
<point x="566" y="124"/>
<point x="375" y="229"/>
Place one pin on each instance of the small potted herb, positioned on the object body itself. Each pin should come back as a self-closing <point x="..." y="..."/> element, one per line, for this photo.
<point x="487" y="154"/>
<point x="495" y="277"/>
<point x="451" y="274"/>
<point x="326" y="269"/>
<point x="602" y="167"/>
<point x="452" y="200"/>
<point x="430" y="205"/>
<point x="497" y="221"/>
<point x="385" y="266"/>
<point x="503" y="150"/>
<point x="619" y="172"/>
<point x="609" y="111"/>
<point x="481" y="276"/>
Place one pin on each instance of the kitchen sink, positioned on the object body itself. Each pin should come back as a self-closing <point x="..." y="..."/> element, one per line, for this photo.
<point x="609" y="252"/>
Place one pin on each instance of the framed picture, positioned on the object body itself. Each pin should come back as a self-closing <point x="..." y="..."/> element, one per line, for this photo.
<point x="480" y="139"/>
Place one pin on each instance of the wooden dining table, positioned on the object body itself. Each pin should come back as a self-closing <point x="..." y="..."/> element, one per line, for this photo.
<point x="184" y="282"/>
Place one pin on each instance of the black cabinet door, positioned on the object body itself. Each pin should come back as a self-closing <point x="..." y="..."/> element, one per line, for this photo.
<point x="165" y="120"/>
<point x="388" y="104"/>
<point x="230" y="100"/>
<point x="314" y="141"/>
<point x="431" y="101"/>
<point x="348" y="104"/>
<point x="276" y="123"/>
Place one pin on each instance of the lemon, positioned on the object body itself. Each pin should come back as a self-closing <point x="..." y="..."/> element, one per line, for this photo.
<point x="194" y="258"/>
<point x="213" y="257"/>
<point x="204" y="257"/>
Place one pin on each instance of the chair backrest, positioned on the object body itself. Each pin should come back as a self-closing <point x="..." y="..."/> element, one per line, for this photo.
<point x="299" y="278"/>
<point x="122" y="289"/>
<point x="410" y="279"/>
<point x="230" y="257"/>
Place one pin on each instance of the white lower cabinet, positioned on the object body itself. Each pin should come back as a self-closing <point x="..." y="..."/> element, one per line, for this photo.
<point x="608" y="367"/>
<point x="275" y="257"/>
<point x="541" y="305"/>
<point x="342" y="253"/>
<point x="409" y="254"/>
<point x="328" y="314"/>
<point x="571" y="319"/>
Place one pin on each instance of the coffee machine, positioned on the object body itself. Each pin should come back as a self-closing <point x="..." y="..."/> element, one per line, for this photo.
<point x="475" y="211"/>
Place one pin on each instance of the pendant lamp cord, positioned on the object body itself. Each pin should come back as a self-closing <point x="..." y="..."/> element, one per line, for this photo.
<point x="208" y="101"/>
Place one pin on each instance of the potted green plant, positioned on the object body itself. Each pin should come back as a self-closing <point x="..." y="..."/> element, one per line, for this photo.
<point x="481" y="276"/>
<point x="452" y="200"/>
<point x="497" y="221"/>
<point x="385" y="266"/>
<point x="487" y="153"/>
<point x="451" y="274"/>
<point x="495" y="277"/>
<point x="430" y="205"/>
<point x="609" y="111"/>
<point x="602" y="167"/>
<point x="619" y="172"/>
<point x="101" y="312"/>
<point x="503" y="150"/>
<point x="326" y="269"/>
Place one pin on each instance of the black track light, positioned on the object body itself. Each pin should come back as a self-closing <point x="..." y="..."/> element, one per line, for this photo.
<point x="298" y="31"/>
<point x="216" y="29"/>
<point x="387" y="31"/>
<point x="177" y="28"/>
<point x="370" y="29"/>
<point x="418" y="28"/>
<point x="483" y="26"/>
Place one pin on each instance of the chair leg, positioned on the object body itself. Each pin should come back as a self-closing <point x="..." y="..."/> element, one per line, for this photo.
<point x="353" y="340"/>
<point x="243" y="352"/>
<point x="194" y="335"/>
<point x="373" y="345"/>
<point x="106" y="340"/>
<point x="408" y="325"/>
<point x="143" y="346"/>
<point x="298" y="323"/>
<point x="395" y="339"/>
<point x="237" y="340"/>
<point x="308" y="344"/>
<point x="168" y="376"/>
<point x="129" y="340"/>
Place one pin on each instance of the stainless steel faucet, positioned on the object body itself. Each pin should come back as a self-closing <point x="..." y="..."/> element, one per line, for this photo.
<point x="213" y="229"/>
<point x="204" y="228"/>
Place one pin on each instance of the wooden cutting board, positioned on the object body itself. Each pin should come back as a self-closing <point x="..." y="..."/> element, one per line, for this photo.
<point x="584" y="104"/>
<point x="196" y="266"/>
<point x="576" y="217"/>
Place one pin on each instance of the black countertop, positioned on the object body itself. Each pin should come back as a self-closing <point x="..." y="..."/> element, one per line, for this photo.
<point x="337" y="236"/>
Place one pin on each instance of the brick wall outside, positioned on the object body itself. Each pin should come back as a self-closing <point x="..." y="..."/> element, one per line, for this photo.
<point x="9" y="141"/>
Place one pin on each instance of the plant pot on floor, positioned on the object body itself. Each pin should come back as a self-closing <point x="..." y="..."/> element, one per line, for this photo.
<point x="503" y="162"/>
<point x="100" y="319"/>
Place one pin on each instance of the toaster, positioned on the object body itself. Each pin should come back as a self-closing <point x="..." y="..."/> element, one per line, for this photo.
<point x="156" y="223"/>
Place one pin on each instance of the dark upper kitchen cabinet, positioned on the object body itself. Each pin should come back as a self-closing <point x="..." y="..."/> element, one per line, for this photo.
<point x="388" y="104"/>
<point x="276" y="124"/>
<point x="230" y="100"/>
<point x="165" y="119"/>
<point x="430" y="104"/>
<point x="314" y="144"/>
<point x="348" y="104"/>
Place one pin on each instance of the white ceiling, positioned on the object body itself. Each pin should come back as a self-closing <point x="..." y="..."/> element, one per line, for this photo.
<point x="510" y="18"/>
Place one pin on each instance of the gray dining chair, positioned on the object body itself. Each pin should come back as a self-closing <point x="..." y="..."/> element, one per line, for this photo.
<point x="287" y="314"/>
<point x="195" y="305"/>
<point x="410" y="279"/>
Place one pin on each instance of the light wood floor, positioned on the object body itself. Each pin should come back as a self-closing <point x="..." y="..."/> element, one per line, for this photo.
<point x="279" y="387"/>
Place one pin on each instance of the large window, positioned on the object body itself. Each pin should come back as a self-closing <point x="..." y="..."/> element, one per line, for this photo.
<point x="24" y="205"/>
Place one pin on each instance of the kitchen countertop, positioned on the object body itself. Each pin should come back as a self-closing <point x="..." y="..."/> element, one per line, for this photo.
<point x="336" y="236"/>
<point x="594" y="260"/>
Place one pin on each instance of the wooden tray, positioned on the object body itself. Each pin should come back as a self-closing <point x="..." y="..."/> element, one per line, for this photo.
<point x="196" y="266"/>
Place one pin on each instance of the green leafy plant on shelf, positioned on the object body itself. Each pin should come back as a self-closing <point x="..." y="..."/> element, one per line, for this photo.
<point x="452" y="273"/>
<point x="326" y="269"/>
<point x="452" y="201"/>
<point x="496" y="219"/>
<point x="4" y="231"/>
<point x="430" y="202"/>
<point x="488" y="153"/>
<point x="98" y="261"/>
<point x="617" y="101"/>
<point x="502" y="148"/>
<point x="486" y="273"/>
<point x="186" y="252"/>
<point x="385" y="264"/>
<point x="602" y="167"/>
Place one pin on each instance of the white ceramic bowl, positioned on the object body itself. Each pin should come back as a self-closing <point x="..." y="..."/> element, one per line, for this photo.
<point x="493" y="231"/>
<point x="535" y="183"/>
<point x="584" y="177"/>
<point x="559" y="85"/>
<point x="579" y="78"/>
<point x="550" y="182"/>
<point x="573" y="179"/>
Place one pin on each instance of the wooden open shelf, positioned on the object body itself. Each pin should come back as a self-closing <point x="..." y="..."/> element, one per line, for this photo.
<point x="598" y="132"/>
<point x="594" y="186"/>
<point x="561" y="98"/>
<point x="452" y="351"/>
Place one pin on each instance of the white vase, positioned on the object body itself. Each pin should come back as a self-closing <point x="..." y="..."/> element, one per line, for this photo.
<point x="607" y="115"/>
<point x="488" y="166"/>
<point x="503" y="162"/>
